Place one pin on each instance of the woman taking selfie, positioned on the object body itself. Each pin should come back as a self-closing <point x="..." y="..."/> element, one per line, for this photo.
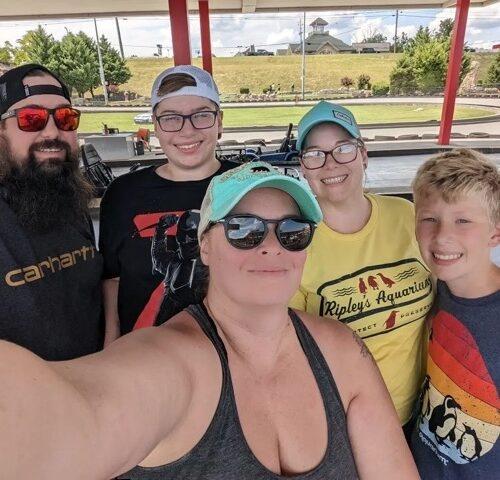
<point x="238" y="387"/>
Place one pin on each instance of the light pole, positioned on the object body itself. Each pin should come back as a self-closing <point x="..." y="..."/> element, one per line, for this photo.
<point x="101" y="66"/>
<point x="396" y="31"/>
<point x="119" y="38"/>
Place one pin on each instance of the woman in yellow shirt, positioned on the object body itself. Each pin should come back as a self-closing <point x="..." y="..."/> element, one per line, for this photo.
<point x="363" y="266"/>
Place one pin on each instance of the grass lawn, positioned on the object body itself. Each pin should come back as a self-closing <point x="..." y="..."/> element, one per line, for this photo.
<point x="281" y="116"/>
<point x="256" y="73"/>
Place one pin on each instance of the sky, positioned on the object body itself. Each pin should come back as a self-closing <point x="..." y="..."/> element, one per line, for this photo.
<point x="233" y="33"/>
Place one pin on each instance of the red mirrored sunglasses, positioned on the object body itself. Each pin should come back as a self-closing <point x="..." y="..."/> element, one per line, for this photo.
<point x="35" y="119"/>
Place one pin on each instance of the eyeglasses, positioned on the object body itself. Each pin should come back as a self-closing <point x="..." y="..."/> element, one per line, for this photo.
<point x="248" y="231"/>
<point x="35" y="119"/>
<point x="199" y="120"/>
<point x="343" y="153"/>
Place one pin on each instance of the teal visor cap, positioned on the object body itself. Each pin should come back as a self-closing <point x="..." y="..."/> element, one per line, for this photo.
<point x="226" y="190"/>
<point x="326" y="112"/>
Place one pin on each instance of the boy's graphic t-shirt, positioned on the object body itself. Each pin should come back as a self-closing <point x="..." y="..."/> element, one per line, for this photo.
<point x="456" y="435"/>
<point x="131" y="209"/>
<point x="375" y="282"/>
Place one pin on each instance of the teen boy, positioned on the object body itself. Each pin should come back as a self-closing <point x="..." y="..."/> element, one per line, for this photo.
<point x="187" y="121"/>
<point x="457" y="199"/>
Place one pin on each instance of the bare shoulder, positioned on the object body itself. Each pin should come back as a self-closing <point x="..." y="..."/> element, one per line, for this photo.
<point x="347" y="356"/>
<point x="179" y="342"/>
<point x="333" y="336"/>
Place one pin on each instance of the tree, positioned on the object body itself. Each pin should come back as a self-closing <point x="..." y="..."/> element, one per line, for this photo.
<point x="115" y="69"/>
<point x="402" y="42"/>
<point x="445" y="28"/>
<point x="373" y="36"/>
<point x="79" y="65"/>
<point x="425" y="61"/>
<point x="377" y="38"/>
<point x="37" y="46"/>
<point x="7" y="53"/>
<point x="402" y="78"/>
<point x="493" y="73"/>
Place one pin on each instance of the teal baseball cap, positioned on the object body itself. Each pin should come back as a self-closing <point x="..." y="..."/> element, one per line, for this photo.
<point x="326" y="112"/>
<point x="226" y="190"/>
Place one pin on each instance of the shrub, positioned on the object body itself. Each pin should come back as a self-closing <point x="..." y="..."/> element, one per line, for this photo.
<point x="424" y="65"/>
<point x="493" y="74"/>
<point x="402" y="78"/>
<point x="244" y="90"/>
<point x="364" y="82"/>
<point x="346" y="82"/>
<point x="380" y="89"/>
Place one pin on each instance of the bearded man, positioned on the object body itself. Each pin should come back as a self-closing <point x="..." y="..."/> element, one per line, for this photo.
<point x="50" y="270"/>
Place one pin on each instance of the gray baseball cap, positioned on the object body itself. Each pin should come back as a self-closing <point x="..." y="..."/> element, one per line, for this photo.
<point x="205" y="85"/>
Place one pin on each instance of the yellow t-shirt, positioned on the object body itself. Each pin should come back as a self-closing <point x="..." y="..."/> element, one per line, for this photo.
<point x="375" y="281"/>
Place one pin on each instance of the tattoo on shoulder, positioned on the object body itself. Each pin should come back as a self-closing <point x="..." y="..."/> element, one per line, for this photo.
<point x="363" y="348"/>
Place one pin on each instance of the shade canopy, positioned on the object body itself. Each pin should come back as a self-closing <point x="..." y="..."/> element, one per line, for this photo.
<point x="37" y="9"/>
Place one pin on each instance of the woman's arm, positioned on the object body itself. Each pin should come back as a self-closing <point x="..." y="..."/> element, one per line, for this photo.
<point x="110" y="300"/>
<point x="90" y="418"/>
<point x="377" y="440"/>
<point x="376" y="436"/>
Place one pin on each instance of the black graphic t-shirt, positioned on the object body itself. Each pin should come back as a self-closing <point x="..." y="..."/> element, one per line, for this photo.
<point x="130" y="211"/>
<point x="50" y="286"/>
<point x="456" y="435"/>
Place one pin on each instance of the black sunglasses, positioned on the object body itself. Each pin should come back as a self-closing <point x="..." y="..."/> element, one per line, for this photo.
<point x="248" y="231"/>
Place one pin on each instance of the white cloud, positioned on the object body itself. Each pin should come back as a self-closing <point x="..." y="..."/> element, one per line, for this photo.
<point x="284" y="36"/>
<point x="483" y="25"/>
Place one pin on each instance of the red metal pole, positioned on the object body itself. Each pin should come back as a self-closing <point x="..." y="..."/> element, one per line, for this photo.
<point x="179" y="24"/>
<point x="206" y="44"/>
<point x="455" y="62"/>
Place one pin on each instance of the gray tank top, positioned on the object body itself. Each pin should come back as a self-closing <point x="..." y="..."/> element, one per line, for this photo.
<point x="223" y="453"/>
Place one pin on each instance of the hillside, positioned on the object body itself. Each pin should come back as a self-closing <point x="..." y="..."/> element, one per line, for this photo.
<point x="256" y="73"/>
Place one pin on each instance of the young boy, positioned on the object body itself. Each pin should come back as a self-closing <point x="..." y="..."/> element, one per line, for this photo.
<point x="457" y="200"/>
<point x="188" y="122"/>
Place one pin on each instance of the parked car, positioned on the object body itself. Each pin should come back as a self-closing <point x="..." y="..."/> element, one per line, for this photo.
<point x="263" y="52"/>
<point x="143" y="118"/>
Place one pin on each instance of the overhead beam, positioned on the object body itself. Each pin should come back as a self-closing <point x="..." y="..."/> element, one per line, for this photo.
<point x="248" y="6"/>
<point x="30" y="11"/>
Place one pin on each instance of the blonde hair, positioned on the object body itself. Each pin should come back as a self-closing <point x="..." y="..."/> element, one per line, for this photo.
<point x="457" y="173"/>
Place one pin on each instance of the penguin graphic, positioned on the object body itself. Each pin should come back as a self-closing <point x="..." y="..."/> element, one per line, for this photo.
<point x="391" y="320"/>
<point x="372" y="282"/>
<point x="362" y="286"/>
<point x="469" y="445"/>
<point x="387" y="281"/>
<point x="444" y="419"/>
<point x="424" y="401"/>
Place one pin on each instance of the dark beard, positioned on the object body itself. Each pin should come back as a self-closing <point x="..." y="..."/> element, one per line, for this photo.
<point x="44" y="195"/>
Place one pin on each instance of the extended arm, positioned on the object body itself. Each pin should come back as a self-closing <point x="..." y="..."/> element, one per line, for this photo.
<point x="90" y="418"/>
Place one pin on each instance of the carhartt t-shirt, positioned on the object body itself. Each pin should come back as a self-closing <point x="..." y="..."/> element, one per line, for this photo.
<point x="50" y="289"/>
